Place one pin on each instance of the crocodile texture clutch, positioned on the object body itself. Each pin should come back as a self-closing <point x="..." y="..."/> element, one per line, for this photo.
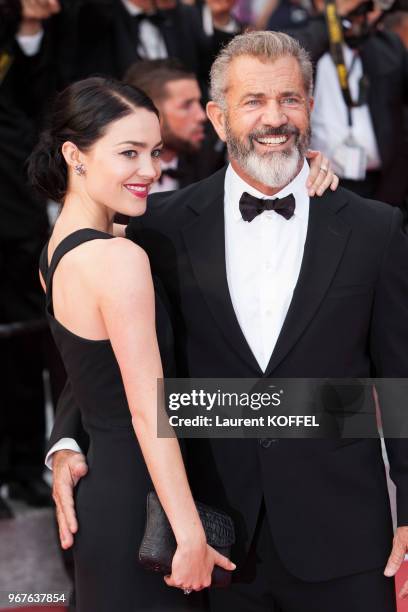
<point x="159" y="544"/>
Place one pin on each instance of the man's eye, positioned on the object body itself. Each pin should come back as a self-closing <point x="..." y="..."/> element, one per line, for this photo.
<point x="253" y="102"/>
<point x="130" y="154"/>
<point x="291" y="101"/>
<point x="156" y="153"/>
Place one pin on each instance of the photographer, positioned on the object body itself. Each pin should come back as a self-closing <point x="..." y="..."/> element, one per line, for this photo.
<point x="360" y="127"/>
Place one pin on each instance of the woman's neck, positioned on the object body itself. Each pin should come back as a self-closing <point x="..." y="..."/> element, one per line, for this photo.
<point x="81" y="212"/>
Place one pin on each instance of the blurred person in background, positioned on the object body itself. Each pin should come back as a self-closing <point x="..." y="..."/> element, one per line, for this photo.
<point x="107" y="36"/>
<point x="397" y="22"/>
<point x="190" y="152"/>
<point x="283" y="14"/>
<point x="218" y="14"/>
<point x="23" y="229"/>
<point x="367" y="145"/>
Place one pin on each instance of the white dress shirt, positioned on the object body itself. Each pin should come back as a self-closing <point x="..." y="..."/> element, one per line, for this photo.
<point x="30" y="44"/>
<point x="329" y="117"/>
<point x="152" y="45"/>
<point x="232" y="27"/>
<point x="263" y="260"/>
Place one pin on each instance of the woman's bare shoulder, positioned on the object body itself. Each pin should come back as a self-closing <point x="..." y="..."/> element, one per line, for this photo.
<point x="117" y="263"/>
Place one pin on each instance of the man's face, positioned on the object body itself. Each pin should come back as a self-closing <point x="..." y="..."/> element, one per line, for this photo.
<point x="183" y="117"/>
<point x="267" y="119"/>
<point x="221" y="6"/>
<point x="148" y="6"/>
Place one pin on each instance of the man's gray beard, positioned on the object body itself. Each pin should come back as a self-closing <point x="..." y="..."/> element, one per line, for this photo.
<point x="272" y="169"/>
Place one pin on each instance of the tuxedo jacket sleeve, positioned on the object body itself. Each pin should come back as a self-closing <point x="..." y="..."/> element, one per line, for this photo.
<point x="389" y="349"/>
<point x="68" y="422"/>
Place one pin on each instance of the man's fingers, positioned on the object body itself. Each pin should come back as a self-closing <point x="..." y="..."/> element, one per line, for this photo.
<point x="65" y="535"/>
<point x="64" y="502"/>
<point x="395" y="559"/>
<point x="66" y="505"/>
<point x="315" y="164"/>
<point x="335" y="182"/>
<point x="223" y="562"/>
<point x="311" y="153"/>
<point x="323" y="181"/>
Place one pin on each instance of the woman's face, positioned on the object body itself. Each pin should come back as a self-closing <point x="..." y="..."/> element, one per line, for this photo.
<point x="122" y="165"/>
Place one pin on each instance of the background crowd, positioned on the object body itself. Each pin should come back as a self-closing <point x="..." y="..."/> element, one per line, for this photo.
<point x="165" y="47"/>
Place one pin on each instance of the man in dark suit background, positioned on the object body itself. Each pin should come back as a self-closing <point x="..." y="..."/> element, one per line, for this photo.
<point x="191" y="150"/>
<point x="84" y="37"/>
<point x="263" y="281"/>
<point x="23" y="230"/>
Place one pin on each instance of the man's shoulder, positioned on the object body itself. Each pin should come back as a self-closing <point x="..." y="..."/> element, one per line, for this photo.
<point x="169" y="203"/>
<point x="387" y="44"/>
<point x="371" y="217"/>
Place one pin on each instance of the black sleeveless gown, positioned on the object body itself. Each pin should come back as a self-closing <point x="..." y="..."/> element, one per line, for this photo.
<point x="111" y="498"/>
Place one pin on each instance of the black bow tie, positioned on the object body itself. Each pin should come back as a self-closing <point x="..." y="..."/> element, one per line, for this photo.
<point x="173" y="173"/>
<point x="250" y="206"/>
<point x="154" y="18"/>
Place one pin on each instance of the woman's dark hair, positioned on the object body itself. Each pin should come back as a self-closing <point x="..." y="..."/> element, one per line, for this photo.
<point x="81" y="114"/>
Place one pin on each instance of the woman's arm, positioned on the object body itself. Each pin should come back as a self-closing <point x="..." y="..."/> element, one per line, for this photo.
<point x="126" y="300"/>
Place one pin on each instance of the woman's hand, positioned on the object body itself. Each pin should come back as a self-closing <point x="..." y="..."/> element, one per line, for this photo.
<point x="321" y="175"/>
<point x="192" y="566"/>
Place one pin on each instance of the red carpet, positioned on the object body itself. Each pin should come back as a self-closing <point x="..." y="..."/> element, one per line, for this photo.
<point x="401" y="578"/>
<point x="36" y="609"/>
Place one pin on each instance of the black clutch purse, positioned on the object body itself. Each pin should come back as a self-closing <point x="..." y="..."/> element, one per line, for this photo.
<point x="159" y="544"/>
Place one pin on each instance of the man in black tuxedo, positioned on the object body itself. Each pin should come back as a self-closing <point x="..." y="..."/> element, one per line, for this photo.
<point x="262" y="281"/>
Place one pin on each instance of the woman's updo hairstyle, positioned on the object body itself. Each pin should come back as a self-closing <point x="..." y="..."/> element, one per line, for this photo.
<point x="81" y="114"/>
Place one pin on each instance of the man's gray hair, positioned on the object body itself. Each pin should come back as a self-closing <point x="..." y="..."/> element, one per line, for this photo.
<point x="263" y="45"/>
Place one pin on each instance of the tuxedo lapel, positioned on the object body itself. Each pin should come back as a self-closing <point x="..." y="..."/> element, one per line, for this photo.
<point x="205" y="242"/>
<point x="326" y="240"/>
<point x="169" y="28"/>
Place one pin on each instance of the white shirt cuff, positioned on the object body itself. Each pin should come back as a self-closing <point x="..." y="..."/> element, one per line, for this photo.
<point x="30" y="45"/>
<point x="63" y="444"/>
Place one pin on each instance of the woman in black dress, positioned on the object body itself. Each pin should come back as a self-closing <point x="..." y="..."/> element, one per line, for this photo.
<point x="99" y="157"/>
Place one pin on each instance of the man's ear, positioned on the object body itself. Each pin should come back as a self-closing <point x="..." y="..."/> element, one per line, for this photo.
<point x="311" y="103"/>
<point x="217" y="117"/>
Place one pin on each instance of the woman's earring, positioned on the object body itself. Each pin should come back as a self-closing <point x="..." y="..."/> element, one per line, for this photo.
<point x="79" y="169"/>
